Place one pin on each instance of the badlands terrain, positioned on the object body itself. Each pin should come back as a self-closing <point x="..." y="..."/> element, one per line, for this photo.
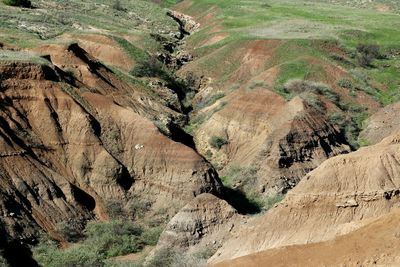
<point x="199" y="133"/>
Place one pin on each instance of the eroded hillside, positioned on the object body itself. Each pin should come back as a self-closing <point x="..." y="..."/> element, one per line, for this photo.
<point x="173" y="128"/>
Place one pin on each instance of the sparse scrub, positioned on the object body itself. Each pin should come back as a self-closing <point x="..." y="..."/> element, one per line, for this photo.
<point x="256" y="84"/>
<point x="217" y="142"/>
<point x="70" y="231"/>
<point x="117" y="5"/>
<point x="272" y="200"/>
<point x="208" y="100"/>
<point x="350" y="126"/>
<point x="308" y="91"/>
<point x="151" y="67"/>
<point x="345" y="83"/>
<point x="168" y="257"/>
<point x="138" y="207"/>
<point x="368" y="53"/>
<point x="312" y="100"/>
<point x="115" y="210"/>
<point x="363" y="142"/>
<point x="102" y="241"/>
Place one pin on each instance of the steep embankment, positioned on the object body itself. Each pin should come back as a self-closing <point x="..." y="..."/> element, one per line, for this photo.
<point x="341" y="195"/>
<point x="383" y="123"/>
<point x="375" y="244"/>
<point x="77" y="143"/>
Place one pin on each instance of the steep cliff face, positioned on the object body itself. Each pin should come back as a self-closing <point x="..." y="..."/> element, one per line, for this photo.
<point x="75" y="140"/>
<point x="341" y="195"/>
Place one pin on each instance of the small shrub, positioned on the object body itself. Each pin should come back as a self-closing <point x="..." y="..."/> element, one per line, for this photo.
<point x="150" y="236"/>
<point x="150" y="67"/>
<point x="115" y="210"/>
<point x="138" y="207"/>
<point x="348" y="126"/>
<point x="46" y="253"/>
<point x="345" y="83"/>
<point x="217" y="142"/>
<point x="117" y="5"/>
<point x="272" y="200"/>
<point x="367" y="53"/>
<point x="364" y="60"/>
<point x="369" y="49"/>
<point x="69" y="231"/>
<point x="21" y="3"/>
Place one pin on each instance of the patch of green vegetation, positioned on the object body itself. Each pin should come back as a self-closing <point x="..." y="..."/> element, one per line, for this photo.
<point x="132" y="51"/>
<point x="345" y="83"/>
<point x="102" y="241"/>
<point x="12" y="56"/>
<point x="363" y="142"/>
<point x="349" y="125"/>
<point x="305" y="28"/>
<point x="217" y="142"/>
<point x="298" y="69"/>
<point x="240" y="181"/>
<point x="52" y="18"/>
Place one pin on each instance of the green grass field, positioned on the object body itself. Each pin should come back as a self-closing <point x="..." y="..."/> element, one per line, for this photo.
<point x="300" y="24"/>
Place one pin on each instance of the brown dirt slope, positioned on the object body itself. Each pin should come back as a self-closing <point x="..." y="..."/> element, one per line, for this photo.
<point x="383" y="123"/>
<point x="376" y="244"/>
<point x="281" y="140"/>
<point x="72" y="146"/>
<point x="341" y="195"/>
